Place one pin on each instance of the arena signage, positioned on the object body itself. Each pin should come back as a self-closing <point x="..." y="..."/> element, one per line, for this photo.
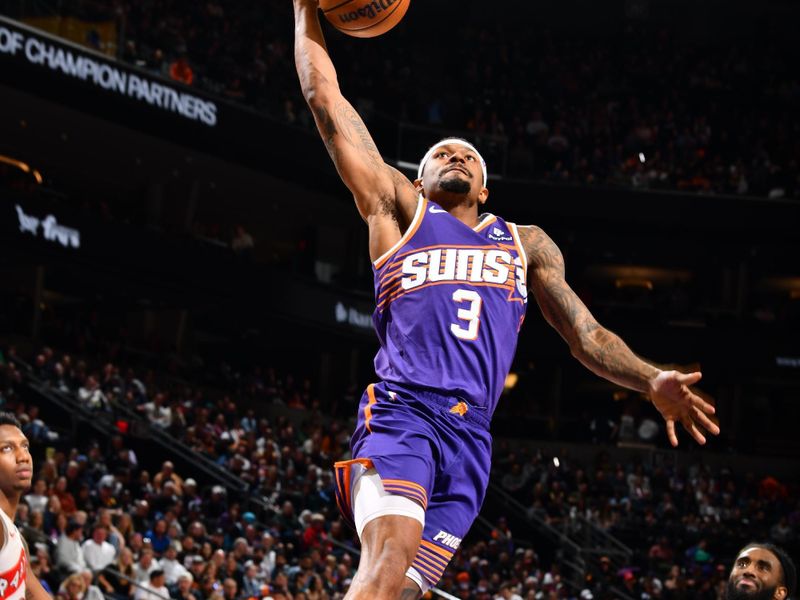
<point x="50" y="229"/>
<point x="40" y="50"/>
<point x="352" y="316"/>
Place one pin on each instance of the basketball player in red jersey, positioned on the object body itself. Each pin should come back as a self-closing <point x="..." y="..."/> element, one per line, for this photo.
<point x="418" y="477"/>
<point x="17" y="580"/>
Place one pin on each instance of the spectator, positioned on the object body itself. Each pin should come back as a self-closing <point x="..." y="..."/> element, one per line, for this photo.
<point x="91" y="394"/>
<point x="72" y="588"/>
<point x="37" y="497"/>
<point x="173" y="569"/>
<point x="153" y="588"/>
<point x="121" y="581"/>
<point x="92" y="591"/>
<point x="69" y="554"/>
<point x="145" y="566"/>
<point x="97" y="552"/>
<point x="179" y="70"/>
<point x="183" y="589"/>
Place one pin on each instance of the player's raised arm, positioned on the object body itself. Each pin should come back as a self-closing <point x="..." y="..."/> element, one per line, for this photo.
<point x="379" y="190"/>
<point x="602" y="351"/>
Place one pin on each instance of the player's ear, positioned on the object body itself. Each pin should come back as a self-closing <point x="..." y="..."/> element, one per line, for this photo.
<point x="483" y="196"/>
<point x="781" y="592"/>
<point x="418" y="186"/>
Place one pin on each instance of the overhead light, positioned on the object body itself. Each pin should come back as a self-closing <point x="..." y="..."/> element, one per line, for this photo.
<point x="22" y="166"/>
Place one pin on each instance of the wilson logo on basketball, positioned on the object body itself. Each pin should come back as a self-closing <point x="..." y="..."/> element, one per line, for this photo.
<point x="370" y="11"/>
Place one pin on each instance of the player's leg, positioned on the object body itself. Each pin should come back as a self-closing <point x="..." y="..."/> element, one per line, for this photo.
<point x="411" y="590"/>
<point x="383" y="492"/>
<point x="455" y="501"/>
<point x="390" y="528"/>
<point x="388" y="546"/>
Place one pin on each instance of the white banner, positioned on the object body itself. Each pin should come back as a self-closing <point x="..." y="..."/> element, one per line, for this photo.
<point x="42" y="52"/>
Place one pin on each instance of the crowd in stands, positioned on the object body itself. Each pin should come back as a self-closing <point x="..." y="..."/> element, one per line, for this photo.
<point x="683" y="525"/>
<point x="640" y="106"/>
<point x="100" y="518"/>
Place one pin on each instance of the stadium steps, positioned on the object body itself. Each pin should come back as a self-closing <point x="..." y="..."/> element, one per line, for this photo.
<point x="579" y="543"/>
<point x="105" y="423"/>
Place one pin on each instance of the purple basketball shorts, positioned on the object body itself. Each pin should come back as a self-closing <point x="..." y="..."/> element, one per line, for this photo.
<point x="433" y="449"/>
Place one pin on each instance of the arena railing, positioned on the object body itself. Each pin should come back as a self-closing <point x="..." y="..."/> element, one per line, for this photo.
<point x="105" y="423"/>
<point x="210" y="468"/>
<point x="134" y="583"/>
<point x="580" y="541"/>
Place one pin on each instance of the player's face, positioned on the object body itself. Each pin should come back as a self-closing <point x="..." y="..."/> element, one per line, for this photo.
<point x="16" y="464"/>
<point x="756" y="575"/>
<point x="455" y="169"/>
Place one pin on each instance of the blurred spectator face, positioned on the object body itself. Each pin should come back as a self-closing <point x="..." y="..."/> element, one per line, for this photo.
<point x="99" y="535"/>
<point x="146" y="558"/>
<point x="197" y="565"/>
<point x="40" y="487"/>
<point x="125" y="557"/>
<point x="229" y="588"/>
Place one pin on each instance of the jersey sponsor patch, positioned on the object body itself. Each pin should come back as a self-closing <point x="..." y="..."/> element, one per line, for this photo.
<point x="499" y="235"/>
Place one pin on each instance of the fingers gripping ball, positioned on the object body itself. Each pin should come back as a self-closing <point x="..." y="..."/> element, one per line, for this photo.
<point x="364" y="18"/>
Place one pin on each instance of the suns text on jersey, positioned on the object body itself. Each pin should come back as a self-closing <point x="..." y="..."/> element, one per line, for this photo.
<point x="468" y="265"/>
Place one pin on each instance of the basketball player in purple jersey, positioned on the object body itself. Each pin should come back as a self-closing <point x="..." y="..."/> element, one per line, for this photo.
<point x="451" y="289"/>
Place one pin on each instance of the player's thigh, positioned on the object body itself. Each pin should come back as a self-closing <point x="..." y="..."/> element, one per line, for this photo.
<point x="454" y="505"/>
<point x="391" y="537"/>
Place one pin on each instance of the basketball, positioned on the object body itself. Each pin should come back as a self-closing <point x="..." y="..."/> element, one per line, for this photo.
<point x="364" y="18"/>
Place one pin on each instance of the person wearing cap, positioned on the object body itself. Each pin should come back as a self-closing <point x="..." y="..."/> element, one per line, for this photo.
<point x="762" y="572"/>
<point x="451" y="288"/>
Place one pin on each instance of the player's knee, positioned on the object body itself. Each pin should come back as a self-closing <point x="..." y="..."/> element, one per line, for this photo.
<point x="391" y="547"/>
<point x="386" y="575"/>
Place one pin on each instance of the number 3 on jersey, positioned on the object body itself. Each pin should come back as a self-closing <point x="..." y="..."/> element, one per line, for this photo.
<point x="471" y="315"/>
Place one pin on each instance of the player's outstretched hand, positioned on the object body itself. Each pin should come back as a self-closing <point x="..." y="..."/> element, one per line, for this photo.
<point x="671" y="395"/>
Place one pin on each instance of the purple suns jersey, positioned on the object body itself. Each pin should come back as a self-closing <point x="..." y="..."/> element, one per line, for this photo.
<point x="450" y="302"/>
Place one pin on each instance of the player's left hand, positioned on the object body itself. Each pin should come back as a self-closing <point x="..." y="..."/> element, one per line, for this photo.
<point x="670" y="394"/>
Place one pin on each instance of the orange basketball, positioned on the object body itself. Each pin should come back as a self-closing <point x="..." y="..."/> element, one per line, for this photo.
<point x="364" y="18"/>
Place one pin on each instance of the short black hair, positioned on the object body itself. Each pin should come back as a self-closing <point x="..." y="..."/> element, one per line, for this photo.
<point x="7" y="418"/>
<point x="72" y="526"/>
<point x="787" y="564"/>
<point x="156" y="573"/>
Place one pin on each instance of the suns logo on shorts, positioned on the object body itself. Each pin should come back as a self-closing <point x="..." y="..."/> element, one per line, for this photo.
<point x="447" y="539"/>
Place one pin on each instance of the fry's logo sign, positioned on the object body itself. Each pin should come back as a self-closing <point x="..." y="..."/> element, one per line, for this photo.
<point x="51" y="230"/>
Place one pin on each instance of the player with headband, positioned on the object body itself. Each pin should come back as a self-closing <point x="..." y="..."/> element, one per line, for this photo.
<point x="451" y="287"/>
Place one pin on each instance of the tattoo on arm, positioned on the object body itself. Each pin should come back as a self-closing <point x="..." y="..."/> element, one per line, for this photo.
<point x="356" y="134"/>
<point x="599" y="349"/>
<point x="328" y="130"/>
